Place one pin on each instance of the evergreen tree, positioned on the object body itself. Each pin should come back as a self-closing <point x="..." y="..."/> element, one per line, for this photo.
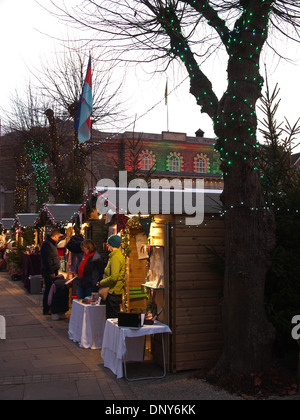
<point x="281" y="183"/>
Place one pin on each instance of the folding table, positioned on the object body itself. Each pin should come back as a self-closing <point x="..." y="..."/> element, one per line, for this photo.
<point x="121" y="343"/>
<point x="87" y="323"/>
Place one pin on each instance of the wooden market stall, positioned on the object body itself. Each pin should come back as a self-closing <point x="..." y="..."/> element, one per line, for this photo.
<point x="57" y="215"/>
<point x="27" y="240"/>
<point x="26" y="219"/>
<point x="26" y="234"/>
<point x="13" y="267"/>
<point x="8" y="223"/>
<point x="61" y="216"/>
<point x="64" y="217"/>
<point x="179" y="269"/>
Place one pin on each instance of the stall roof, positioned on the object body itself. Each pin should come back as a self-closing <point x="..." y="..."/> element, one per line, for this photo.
<point x="114" y="197"/>
<point x="26" y="219"/>
<point x="60" y="213"/>
<point x="7" y="223"/>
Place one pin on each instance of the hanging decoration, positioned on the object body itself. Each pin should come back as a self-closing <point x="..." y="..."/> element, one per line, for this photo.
<point x="121" y="221"/>
<point x="145" y="222"/>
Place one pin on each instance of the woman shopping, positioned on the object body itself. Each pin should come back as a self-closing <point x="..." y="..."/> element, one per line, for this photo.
<point x="90" y="269"/>
<point x="114" y="277"/>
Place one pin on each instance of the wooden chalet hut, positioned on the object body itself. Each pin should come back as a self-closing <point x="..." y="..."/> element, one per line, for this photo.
<point x="8" y="223"/>
<point x="57" y="215"/>
<point x="61" y="216"/>
<point x="24" y="226"/>
<point x="24" y="220"/>
<point x="178" y="268"/>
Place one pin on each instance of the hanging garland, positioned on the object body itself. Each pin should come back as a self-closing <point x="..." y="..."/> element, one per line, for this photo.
<point x="132" y="223"/>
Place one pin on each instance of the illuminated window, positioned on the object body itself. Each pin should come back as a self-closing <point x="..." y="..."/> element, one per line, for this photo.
<point x="146" y="162"/>
<point x="175" y="162"/>
<point x="201" y="163"/>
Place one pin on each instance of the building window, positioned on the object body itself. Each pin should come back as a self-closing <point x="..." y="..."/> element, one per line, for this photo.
<point x="146" y="163"/>
<point x="175" y="162"/>
<point x="201" y="164"/>
<point x="147" y="160"/>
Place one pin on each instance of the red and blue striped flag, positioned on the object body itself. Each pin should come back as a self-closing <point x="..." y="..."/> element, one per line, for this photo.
<point x="82" y="121"/>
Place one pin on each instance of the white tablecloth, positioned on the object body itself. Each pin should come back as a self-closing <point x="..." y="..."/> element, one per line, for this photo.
<point x="120" y="342"/>
<point x="87" y="323"/>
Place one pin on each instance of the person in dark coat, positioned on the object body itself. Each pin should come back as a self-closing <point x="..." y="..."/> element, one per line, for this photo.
<point x="90" y="270"/>
<point x="50" y="264"/>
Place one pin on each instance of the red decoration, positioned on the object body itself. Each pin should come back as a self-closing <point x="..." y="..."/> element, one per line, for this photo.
<point x="121" y="221"/>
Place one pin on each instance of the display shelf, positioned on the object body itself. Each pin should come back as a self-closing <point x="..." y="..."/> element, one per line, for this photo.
<point x="152" y="287"/>
<point x="149" y="248"/>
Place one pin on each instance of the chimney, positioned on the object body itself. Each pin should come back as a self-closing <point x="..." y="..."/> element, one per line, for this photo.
<point x="199" y="133"/>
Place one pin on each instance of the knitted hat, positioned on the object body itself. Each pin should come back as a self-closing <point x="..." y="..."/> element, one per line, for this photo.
<point x="114" y="241"/>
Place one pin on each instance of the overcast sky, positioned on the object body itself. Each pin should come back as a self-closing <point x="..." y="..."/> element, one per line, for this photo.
<point x="23" y="44"/>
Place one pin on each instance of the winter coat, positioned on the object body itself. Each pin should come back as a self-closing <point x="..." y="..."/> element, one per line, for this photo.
<point x="74" y="244"/>
<point x="49" y="257"/>
<point x="115" y="273"/>
<point x="93" y="271"/>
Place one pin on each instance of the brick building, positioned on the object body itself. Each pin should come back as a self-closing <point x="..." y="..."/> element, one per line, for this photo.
<point x="172" y="155"/>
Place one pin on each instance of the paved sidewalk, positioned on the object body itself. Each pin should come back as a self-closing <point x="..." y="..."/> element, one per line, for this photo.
<point x="39" y="362"/>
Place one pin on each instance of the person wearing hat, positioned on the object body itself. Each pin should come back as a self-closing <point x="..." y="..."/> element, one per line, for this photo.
<point x="114" y="277"/>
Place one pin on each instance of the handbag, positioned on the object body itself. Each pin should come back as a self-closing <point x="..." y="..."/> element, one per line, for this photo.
<point x="103" y="292"/>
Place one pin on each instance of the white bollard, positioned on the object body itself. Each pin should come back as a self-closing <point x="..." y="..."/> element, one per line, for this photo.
<point x="2" y="328"/>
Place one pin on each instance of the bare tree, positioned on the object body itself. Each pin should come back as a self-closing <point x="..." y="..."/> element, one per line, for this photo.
<point x="61" y="81"/>
<point x="27" y="122"/>
<point x="189" y="31"/>
<point x="48" y="109"/>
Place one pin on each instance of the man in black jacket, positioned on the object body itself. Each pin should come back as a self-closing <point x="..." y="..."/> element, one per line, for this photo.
<point x="50" y="264"/>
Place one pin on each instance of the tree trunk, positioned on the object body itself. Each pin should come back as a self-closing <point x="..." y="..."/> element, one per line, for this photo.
<point x="250" y="226"/>
<point x="248" y="336"/>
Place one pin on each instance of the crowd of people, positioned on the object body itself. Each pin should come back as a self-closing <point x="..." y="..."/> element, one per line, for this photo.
<point x="92" y="271"/>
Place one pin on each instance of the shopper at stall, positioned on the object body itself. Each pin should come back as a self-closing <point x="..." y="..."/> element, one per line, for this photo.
<point x="90" y="270"/>
<point x="75" y="253"/>
<point x="114" y="277"/>
<point x="50" y="264"/>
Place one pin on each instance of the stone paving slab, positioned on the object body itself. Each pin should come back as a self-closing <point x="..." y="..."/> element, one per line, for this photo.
<point x="39" y="362"/>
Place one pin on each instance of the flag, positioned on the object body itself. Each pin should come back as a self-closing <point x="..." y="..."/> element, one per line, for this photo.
<point x="166" y="93"/>
<point x="82" y="121"/>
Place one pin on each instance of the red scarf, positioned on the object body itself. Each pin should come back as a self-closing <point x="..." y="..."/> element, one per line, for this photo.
<point x="83" y="262"/>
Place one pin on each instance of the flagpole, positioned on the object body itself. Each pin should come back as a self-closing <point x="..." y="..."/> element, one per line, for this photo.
<point x="167" y="116"/>
<point x="167" y="104"/>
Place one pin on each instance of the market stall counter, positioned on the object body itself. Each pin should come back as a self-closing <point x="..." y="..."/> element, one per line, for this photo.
<point x="126" y="343"/>
<point x="86" y="325"/>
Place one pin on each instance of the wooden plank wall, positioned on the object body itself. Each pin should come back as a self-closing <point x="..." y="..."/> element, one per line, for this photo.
<point x="196" y="295"/>
<point x="137" y="270"/>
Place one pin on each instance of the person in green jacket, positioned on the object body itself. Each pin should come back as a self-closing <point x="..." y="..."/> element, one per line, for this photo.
<point x="114" y="277"/>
